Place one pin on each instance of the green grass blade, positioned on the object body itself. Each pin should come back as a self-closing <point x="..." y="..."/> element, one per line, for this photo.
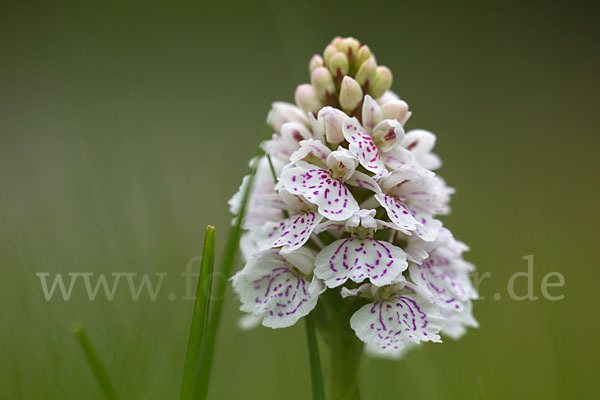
<point x="314" y="361"/>
<point x="98" y="369"/>
<point x="200" y="317"/>
<point x="200" y="387"/>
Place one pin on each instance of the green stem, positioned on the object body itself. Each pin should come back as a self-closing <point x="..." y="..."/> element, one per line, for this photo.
<point x="344" y="357"/>
<point x="95" y="363"/>
<point x="316" y="377"/>
<point x="199" y="325"/>
<point x="345" y="349"/>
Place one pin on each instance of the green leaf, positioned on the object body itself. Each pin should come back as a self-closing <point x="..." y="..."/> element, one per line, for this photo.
<point x="98" y="369"/>
<point x="200" y="317"/>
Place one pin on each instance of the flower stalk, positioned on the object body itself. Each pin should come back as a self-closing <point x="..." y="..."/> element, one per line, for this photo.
<point x="344" y="348"/>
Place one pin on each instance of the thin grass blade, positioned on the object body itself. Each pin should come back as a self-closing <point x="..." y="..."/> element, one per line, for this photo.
<point x="200" y="317"/>
<point x="314" y="361"/>
<point x="98" y="369"/>
<point x="200" y="387"/>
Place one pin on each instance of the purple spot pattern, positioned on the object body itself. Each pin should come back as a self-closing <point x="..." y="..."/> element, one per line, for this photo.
<point x="406" y="218"/>
<point x="292" y="232"/>
<point x="389" y="324"/>
<point x="398" y="212"/>
<point x="319" y="187"/>
<point x="271" y="287"/>
<point x="315" y="148"/>
<point x="449" y="286"/>
<point x="359" y="259"/>
<point x="363" y="147"/>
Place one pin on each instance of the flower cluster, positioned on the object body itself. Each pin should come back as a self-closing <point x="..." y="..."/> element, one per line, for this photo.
<point x="345" y="200"/>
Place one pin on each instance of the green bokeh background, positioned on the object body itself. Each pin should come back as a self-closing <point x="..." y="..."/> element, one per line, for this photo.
<point x="125" y="127"/>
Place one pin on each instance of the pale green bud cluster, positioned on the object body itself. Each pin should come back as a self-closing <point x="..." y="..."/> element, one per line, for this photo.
<point x="342" y="76"/>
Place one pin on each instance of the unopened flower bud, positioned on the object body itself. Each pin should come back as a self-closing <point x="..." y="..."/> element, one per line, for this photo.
<point x="331" y="120"/>
<point x="382" y="82"/>
<point x="349" y="46"/>
<point x="315" y="62"/>
<point x="330" y="50"/>
<point x="323" y="82"/>
<point x="366" y="73"/>
<point x="307" y="99"/>
<point x="364" y="53"/>
<point x="350" y="94"/>
<point x="396" y="109"/>
<point x="337" y="42"/>
<point x="338" y="61"/>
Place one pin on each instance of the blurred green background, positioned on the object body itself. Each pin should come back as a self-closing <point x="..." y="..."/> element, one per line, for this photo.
<point x="126" y="126"/>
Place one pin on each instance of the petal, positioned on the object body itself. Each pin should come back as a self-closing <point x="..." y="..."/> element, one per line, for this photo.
<point x="398" y="212"/>
<point x="457" y="322"/>
<point x="249" y="321"/>
<point x="428" y="227"/>
<point x="389" y="324"/>
<point x="365" y="290"/>
<point x="364" y="181"/>
<point x="363" y="147"/>
<point x="282" y="112"/>
<point x="359" y="259"/>
<point x="319" y="187"/>
<point x="317" y="287"/>
<point x="291" y="233"/>
<point x="390" y="354"/>
<point x="280" y="147"/>
<point x="311" y="147"/>
<point x="263" y="204"/>
<point x="303" y="259"/>
<point x="296" y="131"/>
<point x="371" y="113"/>
<point x="407" y="219"/>
<point x="448" y="286"/>
<point x="420" y="142"/>
<point x="342" y="163"/>
<point x="331" y="226"/>
<point x="429" y="194"/>
<point x="399" y="158"/>
<point x="387" y="134"/>
<point x="273" y="289"/>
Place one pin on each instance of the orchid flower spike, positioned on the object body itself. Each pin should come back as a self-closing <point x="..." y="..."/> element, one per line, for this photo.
<point x="344" y="210"/>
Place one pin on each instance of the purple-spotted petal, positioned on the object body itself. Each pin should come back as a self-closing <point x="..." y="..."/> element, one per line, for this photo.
<point x="457" y="322"/>
<point x="311" y="147"/>
<point x="389" y="324"/>
<point x="364" y="181"/>
<point x="448" y="285"/>
<point x="272" y="288"/>
<point x="319" y="187"/>
<point x="398" y="212"/>
<point x="363" y="147"/>
<point x="359" y="259"/>
<point x="290" y="233"/>
<point x="420" y="142"/>
<point x="428" y="227"/>
<point x="445" y="278"/>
